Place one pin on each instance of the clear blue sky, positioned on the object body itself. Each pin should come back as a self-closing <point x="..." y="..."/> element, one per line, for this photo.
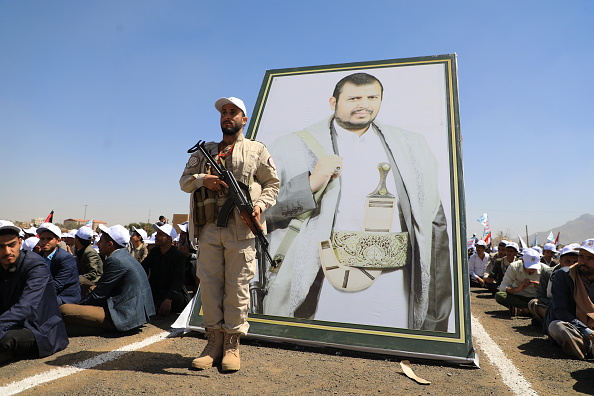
<point x="99" y="100"/>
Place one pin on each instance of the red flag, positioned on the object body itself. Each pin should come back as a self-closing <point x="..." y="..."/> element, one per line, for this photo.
<point x="49" y="217"/>
<point x="487" y="239"/>
<point x="557" y="239"/>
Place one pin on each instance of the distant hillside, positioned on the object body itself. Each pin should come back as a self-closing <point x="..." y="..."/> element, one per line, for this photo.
<point x="577" y="230"/>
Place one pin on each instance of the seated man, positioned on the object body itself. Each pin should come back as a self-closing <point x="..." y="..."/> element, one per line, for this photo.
<point x="30" y="323"/>
<point x="497" y="255"/>
<point x="137" y="246"/>
<point x="500" y="266"/>
<point x="29" y="232"/>
<point x="166" y="268"/>
<point x="519" y="283"/>
<point x="90" y="266"/>
<point x="477" y="264"/>
<point x="30" y="244"/>
<point x="548" y="255"/>
<point x="187" y="248"/>
<point x="121" y="299"/>
<point x="62" y="264"/>
<point x="569" y="320"/>
<point x="538" y="306"/>
<point x="68" y="239"/>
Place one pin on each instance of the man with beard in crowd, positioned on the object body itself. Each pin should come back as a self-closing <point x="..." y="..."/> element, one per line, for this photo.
<point x="165" y="266"/>
<point x="538" y="306"/>
<point x="30" y="322"/>
<point x="121" y="300"/>
<point x="569" y="320"/>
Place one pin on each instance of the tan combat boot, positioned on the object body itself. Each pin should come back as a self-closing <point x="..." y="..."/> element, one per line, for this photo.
<point x="231" y="353"/>
<point x="213" y="351"/>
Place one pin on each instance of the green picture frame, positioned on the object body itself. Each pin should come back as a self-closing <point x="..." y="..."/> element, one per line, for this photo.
<point x="435" y="92"/>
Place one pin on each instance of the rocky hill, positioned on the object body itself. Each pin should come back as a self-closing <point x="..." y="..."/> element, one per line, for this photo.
<point x="576" y="230"/>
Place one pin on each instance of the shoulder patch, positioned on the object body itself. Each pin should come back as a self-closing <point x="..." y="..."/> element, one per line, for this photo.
<point x="192" y="162"/>
<point x="271" y="162"/>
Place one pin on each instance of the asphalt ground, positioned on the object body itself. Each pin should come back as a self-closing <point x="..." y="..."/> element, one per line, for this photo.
<point x="150" y="363"/>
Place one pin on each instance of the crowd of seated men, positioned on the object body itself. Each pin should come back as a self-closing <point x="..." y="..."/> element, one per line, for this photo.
<point x="56" y="284"/>
<point x="554" y="287"/>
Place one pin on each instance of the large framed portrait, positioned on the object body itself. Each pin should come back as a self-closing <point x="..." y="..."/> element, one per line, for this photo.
<point x="368" y="232"/>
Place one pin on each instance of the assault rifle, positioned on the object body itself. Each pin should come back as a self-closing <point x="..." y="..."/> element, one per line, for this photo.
<point x="239" y="196"/>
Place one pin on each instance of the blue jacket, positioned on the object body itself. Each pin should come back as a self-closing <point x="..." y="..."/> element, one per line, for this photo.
<point x="31" y="296"/>
<point x="65" y="273"/>
<point x="124" y="290"/>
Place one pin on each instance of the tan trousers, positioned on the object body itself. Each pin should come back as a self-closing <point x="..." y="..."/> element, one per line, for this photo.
<point x="86" y="315"/>
<point x="537" y="309"/>
<point x="225" y="268"/>
<point x="570" y="339"/>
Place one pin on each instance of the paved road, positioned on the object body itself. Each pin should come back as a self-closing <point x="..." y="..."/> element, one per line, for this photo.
<point x="159" y="365"/>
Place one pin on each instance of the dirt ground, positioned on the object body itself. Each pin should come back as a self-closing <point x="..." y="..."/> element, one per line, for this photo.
<point x="273" y="368"/>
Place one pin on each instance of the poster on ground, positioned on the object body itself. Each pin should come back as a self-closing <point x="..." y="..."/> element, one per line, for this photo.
<point x="368" y="229"/>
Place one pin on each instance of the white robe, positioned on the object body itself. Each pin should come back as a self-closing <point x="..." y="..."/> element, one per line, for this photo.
<point x="430" y="271"/>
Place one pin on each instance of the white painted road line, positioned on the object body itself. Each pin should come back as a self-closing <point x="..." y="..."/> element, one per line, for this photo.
<point x="511" y="376"/>
<point x="60" y="372"/>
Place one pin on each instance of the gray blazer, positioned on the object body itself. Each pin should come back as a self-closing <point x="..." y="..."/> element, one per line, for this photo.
<point x="124" y="290"/>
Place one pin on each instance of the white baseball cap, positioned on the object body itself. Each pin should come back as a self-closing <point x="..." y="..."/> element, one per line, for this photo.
<point x="54" y="229"/>
<point x="513" y="245"/>
<point x="118" y="233"/>
<point x="31" y="230"/>
<point x="550" y="246"/>
<point x="481" y="243"/>
<point x="183" y="226"/>
<point x="538" y="249"/>
<point x="85" y="233"/>
<point x="531" y="258"/>
<point x="30" y="243"/>
<point x="167" y="229"/>
<point x="9" y="225"/>
<point x="588" y="245"/>
<point x="140" y="232"/>
<point x="568" y="250"/>
<point x="151" y="240"/>
<point x="236" y="101"/>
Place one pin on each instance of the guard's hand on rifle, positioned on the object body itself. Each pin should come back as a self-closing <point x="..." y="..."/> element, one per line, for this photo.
<point x="326" y="168"/>
<point x="213" y="183"/>
<point x="256" y="214"/>
<point x="256" y="217"/>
